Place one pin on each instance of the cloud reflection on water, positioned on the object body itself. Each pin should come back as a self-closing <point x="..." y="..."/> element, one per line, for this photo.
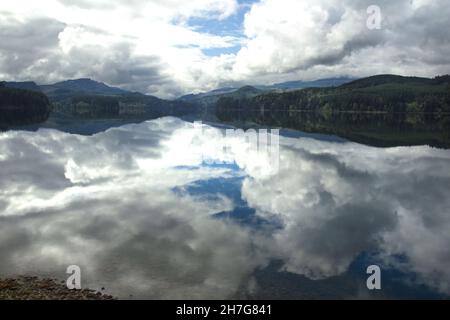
<point x="109" y="204"/>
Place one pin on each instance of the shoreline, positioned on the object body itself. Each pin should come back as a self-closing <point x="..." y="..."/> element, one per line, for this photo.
<point x="34" y="288"/>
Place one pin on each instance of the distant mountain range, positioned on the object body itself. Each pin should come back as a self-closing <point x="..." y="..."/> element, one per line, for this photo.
<point x="207" y="102"/>
<point x="376" y="110"/>
<point x="278" y="87"/>
<point x="88" y="98"/>
<point x="92" y="99"/>
<point x="382" y="110"/>
<point x="66" y="89"/>
<point x="295" y="85"/>
<point x="382" y="93"/>
<point x="27" y="85"/>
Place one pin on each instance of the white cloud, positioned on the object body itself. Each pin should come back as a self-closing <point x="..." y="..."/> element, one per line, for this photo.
<point x="281" y="40"/>
<point x="153" y="30"/>
<point x="319" y="38"/>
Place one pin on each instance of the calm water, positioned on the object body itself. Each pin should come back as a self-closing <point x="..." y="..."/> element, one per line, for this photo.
<point x="161" y="210"/>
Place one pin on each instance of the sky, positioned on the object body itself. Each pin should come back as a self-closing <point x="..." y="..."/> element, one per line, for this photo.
<point x="172" y="47"/>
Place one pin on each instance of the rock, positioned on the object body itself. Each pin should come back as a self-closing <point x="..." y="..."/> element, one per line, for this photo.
<point x="33" y="288"/>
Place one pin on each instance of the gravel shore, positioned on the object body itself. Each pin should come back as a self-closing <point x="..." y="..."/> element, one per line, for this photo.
<point x="33" y="288"/>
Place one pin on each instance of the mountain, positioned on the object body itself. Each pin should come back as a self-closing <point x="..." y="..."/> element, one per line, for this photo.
<point x="66" y="89"/>
<point x="295" y="85"/>
<point x="290" y="85"/>
<point x="26" y="85"/>
<point x="209" y="98"/>
<point x="390" y="79"/>
<point x="205" y="103"/>
<point x="217" y="92"/>
<point x="92" y="99"/>
<point x="383" y="110"/>
<point x="245" y="92"/>
<point x="382" y="93"/>
<point x="386" y="79"/>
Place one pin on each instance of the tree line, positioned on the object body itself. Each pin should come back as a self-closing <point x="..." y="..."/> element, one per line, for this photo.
<point x="20" y="107"/>
<point x="373" y="94"/>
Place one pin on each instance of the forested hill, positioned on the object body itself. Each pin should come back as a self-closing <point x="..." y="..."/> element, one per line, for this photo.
<point x="71" y="88"/>
<point x="27" y="85"/>
<point x="90" y="99"/>
<point x="132" y="105"/>
<point x="384" y="93"/>
<point x="394" y="79"/>
<point x="19" y="107"/>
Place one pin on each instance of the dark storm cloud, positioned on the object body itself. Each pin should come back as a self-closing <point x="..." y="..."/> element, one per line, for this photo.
<point x="421" y="34"/>
<point x="23" y="44"/>
<point x="330" y="37"/>
<point x="30" y="51"/>
<point x="115" y="65"/>
<point x="326" y="38"/>
<point x="428" y="30"/>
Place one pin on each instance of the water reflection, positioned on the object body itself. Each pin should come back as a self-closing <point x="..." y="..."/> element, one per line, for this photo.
<point x="375" y="129"/>
<point x="143" y="214"/>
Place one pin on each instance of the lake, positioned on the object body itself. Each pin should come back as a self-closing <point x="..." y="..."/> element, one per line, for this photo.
<point x="169" y="209"/>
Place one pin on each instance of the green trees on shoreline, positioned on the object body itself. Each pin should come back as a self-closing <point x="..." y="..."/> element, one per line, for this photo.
<point x="20" y="107"/>
<point x="381" y="111"/>
<point x="391" y="94"/>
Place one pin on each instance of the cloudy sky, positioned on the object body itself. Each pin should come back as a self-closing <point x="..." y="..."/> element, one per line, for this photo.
<point x="173" y="47"/>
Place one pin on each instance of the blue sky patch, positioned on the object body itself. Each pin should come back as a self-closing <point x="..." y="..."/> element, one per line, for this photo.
<point x="232" y="26"/>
